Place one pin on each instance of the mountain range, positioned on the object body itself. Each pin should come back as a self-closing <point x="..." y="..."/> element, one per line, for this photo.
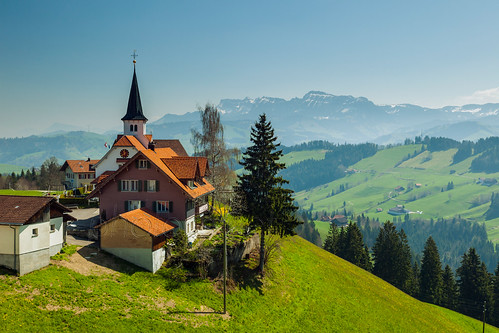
<point x="315" y="116"/>
<point x="322" y="116"/>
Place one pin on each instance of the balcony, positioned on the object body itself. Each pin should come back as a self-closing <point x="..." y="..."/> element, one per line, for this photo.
<point x="201" y="209"/>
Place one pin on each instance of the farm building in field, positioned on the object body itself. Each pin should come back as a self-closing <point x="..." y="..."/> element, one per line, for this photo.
<point x="137" y="236"/>
<point x="32" y="229"/>
<point x="398" y="210"/>
<point x="339" y="220"/>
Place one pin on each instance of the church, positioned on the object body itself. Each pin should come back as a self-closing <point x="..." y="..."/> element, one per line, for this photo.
<point x="146" y="188"/>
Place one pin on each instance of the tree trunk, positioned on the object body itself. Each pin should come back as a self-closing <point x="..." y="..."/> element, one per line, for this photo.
<point x="262" y="251"/>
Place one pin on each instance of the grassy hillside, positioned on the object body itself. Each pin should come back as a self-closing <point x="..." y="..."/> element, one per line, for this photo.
<point x="9" y="168"/>
<point x="374" y="186"/>
<point x="298" y="156"/>
<point x="338" y="297"/>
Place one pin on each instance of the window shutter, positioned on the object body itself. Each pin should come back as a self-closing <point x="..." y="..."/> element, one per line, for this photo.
<point x="137" y="163"/>
<point x="126" y="205"/>
<point x="139" y="183"/>
<point x="157" y="185"/>
<point x="142" y="204"/>
<point x="154" y="204"/>
<point x="170" y="208"/>
<point x="148" y="164"/>
<point x="119" y="185"/>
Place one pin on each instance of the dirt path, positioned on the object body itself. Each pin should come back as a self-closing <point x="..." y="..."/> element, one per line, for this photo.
<point x="91" y="261"/>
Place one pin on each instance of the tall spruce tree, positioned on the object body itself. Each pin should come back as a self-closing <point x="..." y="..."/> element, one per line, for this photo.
<point x="474" y="285"/>
<point x="266" y="203"/>
<point x="431" y="273"/>
<point x="450" y="292"/>
<point x="392" y="256"/>
<point x="495" y="312"/>
<point x="355" y="250"/>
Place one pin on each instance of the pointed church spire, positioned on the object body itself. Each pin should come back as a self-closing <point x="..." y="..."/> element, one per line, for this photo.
<point x="134" y="110"/>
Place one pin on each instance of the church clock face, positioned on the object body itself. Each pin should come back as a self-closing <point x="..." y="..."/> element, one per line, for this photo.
<point x="124" y="153"/>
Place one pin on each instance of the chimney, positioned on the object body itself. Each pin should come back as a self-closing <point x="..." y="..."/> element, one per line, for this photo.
<point x="152" y="145"/>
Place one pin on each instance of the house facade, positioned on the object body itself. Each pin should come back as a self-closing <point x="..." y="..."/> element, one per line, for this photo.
<point x="79" y="173"/>
<point x="32" y="229"/>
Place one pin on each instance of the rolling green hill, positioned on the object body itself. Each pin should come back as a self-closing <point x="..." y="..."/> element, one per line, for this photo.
<point x="337" y="297"/>
<point x="424" y="178"/>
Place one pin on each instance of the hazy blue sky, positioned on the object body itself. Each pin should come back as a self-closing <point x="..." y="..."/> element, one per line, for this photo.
<point x="69" y="61"/>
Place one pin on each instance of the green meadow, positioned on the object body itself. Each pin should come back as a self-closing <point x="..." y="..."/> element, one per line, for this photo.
<point x="337" y="297"/>
<point x="424" y="179"/>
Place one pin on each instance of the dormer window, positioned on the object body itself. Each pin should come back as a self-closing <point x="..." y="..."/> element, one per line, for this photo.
<point x="143" y="164"/>
<point x="190" y="183"/>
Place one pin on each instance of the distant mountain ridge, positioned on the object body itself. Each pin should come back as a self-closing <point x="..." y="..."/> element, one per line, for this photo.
<point x="322" y="116"/>
<point x="315" y="116"/>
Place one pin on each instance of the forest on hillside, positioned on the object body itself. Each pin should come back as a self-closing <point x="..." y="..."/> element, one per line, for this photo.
<point x="339" y="157"/>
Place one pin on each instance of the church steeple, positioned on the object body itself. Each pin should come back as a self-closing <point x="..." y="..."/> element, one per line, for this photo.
<point x="134" y="121"/>
<point x="134" y="110"/>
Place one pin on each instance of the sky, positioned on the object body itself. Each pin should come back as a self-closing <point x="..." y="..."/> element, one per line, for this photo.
<point x="69" y="62"/>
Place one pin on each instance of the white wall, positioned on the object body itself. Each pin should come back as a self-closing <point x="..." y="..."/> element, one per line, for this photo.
<point x="7" y="239"/>
<point x="108" y="162"/>
<point x="56" y="237"/>
<point x="28" y="243"/>
<point x="158" y="257"/>
<point x="139" y="257"/>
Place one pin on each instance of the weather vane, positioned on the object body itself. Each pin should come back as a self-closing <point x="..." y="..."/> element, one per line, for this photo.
<point x="134" y="55"/>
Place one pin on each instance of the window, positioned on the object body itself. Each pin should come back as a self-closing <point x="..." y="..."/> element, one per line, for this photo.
<point x="135" y="129"/>
<point x="151" y="185"/>
<point x="133" y="204"/>
<point x="190" y="183"/>
<point x="143" y="164"/>
<point x="131" y="128"/>
<point x="52" y="228"/>
<point x="164" y="206"/>
<point x="129" y="186"/>
<point x="34" y="232"/>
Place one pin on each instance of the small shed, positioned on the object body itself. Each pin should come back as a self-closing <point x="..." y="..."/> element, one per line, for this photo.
<point x="137" y="236"/>
<point x="339" y="220"/>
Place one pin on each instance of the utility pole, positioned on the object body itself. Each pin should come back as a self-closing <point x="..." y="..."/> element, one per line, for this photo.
<point x="484" y="309"/>
<point x="225" y="264"/>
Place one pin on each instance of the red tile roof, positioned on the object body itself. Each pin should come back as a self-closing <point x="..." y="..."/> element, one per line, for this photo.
<point x="20" y="210"/>
<point x="79" y="166"/>
<point x="145" y="220"/>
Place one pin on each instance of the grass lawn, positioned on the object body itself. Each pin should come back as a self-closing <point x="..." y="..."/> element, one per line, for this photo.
<point x="337" y="297"/>
<point x="31" y="193"/>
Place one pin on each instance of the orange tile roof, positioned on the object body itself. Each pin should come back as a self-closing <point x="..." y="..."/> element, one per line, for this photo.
<point x="101" y="177"/>
<point x="79" y="166"/>
<point x="128" y="141"/>
<point x="165" y="152"/>
<point x="175" y="145"/>
<point x="19" y="209"/>
<point x="149" y="137"/>
<point x="201" y="188"/>
<point x="183" y="168"/>
<point x="145" y="220"/>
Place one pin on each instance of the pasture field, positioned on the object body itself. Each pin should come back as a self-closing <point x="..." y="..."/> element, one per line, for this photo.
<point x="337" y="297"/>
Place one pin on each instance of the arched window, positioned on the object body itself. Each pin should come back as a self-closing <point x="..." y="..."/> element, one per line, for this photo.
<point x="131" y="128"/>
<point x="135" y="128"/>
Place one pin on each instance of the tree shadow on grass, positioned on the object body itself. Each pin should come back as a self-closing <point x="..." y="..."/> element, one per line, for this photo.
<point x="247" y="275"/>
<point x="7" y="271"/>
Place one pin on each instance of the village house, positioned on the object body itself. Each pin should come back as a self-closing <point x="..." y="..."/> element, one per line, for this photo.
<point x="149" y="177"/>
<point x="137" y="236"/>
<point x="32" y="229"/>
<point x="79" y="173"/>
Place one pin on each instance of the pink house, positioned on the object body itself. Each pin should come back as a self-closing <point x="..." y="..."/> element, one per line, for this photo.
<point x="138" y="172"/>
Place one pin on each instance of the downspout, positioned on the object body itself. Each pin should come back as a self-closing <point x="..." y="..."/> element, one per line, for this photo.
<point x="15" y="237"/>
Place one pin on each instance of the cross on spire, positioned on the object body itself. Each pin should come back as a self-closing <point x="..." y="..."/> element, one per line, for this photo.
<point x="134" y="55"/>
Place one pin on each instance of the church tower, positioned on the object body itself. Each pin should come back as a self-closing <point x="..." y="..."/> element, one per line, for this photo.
<point x="134" y="122"/>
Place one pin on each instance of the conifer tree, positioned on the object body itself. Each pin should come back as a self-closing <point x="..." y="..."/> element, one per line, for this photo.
<point x="331" y="242"/>
<point x="431" y="273"/>
<point x="392" y="256"/>
<point x="267" y="204"/>
<point x="495" y="312"/>
<point x="474" y="285"/>
<point x="355" y="250"/>
<point x="450" y="291"/>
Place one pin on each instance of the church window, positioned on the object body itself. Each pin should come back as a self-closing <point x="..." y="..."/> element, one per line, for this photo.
<point x="131" y="128"/>
<point x="135" y="129"/>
